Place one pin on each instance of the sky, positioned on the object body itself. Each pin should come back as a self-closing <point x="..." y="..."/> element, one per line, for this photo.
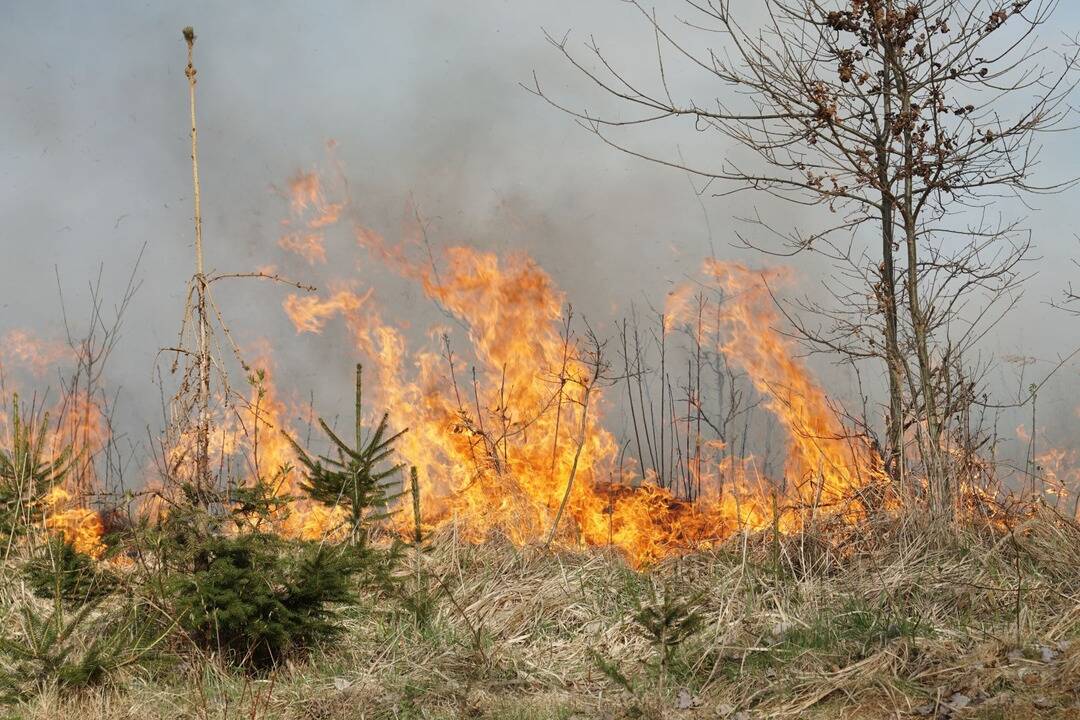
<point x="424" y="102"/>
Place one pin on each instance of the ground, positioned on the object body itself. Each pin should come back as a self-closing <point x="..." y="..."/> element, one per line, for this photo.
<point x="892" y="619"/>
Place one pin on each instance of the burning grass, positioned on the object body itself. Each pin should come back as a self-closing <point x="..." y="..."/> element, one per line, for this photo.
<point x="547" y="569"/>
<point x="523" y="445"/>
<point x="541" y="577"/>
<point x="888" y="619"/>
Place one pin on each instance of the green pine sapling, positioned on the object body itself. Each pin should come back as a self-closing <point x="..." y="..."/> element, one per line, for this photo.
<point x="356" y="479"/>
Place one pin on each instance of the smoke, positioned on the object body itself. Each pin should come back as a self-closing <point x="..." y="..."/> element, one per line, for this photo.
<point x="424" y="101"/>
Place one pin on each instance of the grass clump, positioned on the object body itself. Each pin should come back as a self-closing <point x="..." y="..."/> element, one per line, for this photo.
<point x="521" y="633"/>
<point x="847" y="633"/>
<point x="51" y="647"/>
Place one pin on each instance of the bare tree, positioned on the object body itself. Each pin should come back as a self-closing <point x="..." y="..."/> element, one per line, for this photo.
<point x="83" y="394"/>
<point x="906" y="119"/>
<point x="202" y="317"/>
<point x="595" y="374"/>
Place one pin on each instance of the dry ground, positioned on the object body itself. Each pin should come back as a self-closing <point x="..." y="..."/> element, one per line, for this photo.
<point x="892" y="620"/>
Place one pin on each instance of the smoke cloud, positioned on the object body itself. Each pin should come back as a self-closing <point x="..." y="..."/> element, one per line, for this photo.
<point x="424" y="101"/>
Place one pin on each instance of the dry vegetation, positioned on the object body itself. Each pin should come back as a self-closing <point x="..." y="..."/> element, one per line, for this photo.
<point x="894" y="619"/>
<point x="487" y="548"/>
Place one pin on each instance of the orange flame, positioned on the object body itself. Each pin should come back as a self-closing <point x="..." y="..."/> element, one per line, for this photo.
<point x="80" y="527"/>
<point x="78" y="426"/>
<point x="310" y="214"/>
<point x="264" y="420"/>
<point x="20" y="347"/>
<point x="496" y="449"/>
<point x="1055" y="472"/>
<point x="825" y="461"/>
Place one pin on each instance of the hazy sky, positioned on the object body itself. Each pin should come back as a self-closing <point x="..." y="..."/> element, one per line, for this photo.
<point x="423" y="101"/>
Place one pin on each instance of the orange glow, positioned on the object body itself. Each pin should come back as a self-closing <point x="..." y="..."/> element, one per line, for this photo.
<point x="79" y="526"/>
<point x="20" y="347"/>
<point x="260" y="437"/>
<point x="76" y="421"/>
<point x="309" y="214"/>
<point x="825" y="462"/>
<point x="1056" y="473"/>
<point x="495" y="450"/>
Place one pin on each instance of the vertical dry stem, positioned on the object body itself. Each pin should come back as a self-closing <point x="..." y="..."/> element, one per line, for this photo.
<point x="202" y="392"/>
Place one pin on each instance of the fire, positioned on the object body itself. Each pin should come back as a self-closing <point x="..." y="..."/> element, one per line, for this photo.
<point x="74" y="435"/>
<point x="248" y="446"/>
<point x="498" y="447"/>
<point x="310" y="213"/>
<point x="1055" y="472"/>
<point x="79" y="422"/>
<point x="260" y="437"/>
<point x="80" y="527"/>
<point x="309" y="314"/>
<point x="825" y="461"/>
<point x="506" y="415"/>
<point x="20" y="347"/>
<point x="506" y="420"/>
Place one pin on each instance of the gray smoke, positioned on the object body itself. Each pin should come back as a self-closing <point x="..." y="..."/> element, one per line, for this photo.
<point x="424" y="101"/>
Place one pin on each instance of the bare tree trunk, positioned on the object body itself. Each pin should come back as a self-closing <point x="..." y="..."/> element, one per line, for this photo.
<point x="894" y="444"/>
<point x="937" y="475"/>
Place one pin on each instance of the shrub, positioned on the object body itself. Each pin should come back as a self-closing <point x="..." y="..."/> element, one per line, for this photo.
<point x="667" y="623"/>
<point x="258" y="598"/>
<point x="60" y="572"/>
<point x="255" y="597"/>
<point x="356" y="479"/>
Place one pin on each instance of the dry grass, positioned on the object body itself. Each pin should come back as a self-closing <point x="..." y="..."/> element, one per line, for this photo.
<point x="895" y="619"/>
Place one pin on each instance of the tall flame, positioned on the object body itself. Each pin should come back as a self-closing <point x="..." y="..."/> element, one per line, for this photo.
<point x="825" y="461"/>
<point x="498" y="447"/>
